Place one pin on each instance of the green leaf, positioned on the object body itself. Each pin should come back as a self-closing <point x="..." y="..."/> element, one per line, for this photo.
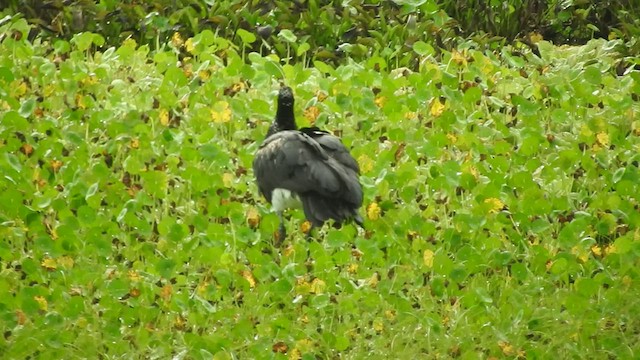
<point x="246" y="36"/>
<point x="322" y="67"/>
<point x="92" y="190"/>
<point x="472" y="95"/>
<point x="13" y="161"/>
<point x="85" y="40"/>
<point x="617" y="175"/>
<point x="423" y="49"/>
<point x="274" y="69"/>
<point x="587" y="287"/>
<point x="165" y="268"/>
<point x="592" y="74"/>
<point x="303" y="48"/>
<point x="155" y="183"/>
<point x="559" y="266"/>
<point x="15" y="120"/>
<point x="525" y="107"/>
<point x="287" y="35"/>
<point x="6" y="74"/>
<point x="483" y="295"/>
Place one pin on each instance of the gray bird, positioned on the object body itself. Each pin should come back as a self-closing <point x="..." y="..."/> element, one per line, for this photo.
<point x="307" y="168"/>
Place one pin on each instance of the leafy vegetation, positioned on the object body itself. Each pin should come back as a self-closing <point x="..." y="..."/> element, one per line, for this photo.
<point x="333" y="31"/>
<point x="501" y="187"/>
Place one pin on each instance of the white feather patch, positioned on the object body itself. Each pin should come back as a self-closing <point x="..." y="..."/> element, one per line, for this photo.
<point x="282" y="199"/>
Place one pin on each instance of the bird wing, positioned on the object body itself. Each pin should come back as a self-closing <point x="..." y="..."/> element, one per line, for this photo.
<point x="294" y="161"/>
<point x="333" y="146"/>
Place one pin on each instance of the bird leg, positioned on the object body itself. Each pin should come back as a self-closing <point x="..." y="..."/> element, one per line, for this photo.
<point x="282" y="232"/>
<point x="309" y="234"/>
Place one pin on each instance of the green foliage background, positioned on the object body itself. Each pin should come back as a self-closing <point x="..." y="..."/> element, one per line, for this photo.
<point x="334" y="31"/>
<point x="501" y="201"/>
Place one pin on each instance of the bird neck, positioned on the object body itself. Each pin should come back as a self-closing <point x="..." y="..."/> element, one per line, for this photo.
<point x="285" y="118"/>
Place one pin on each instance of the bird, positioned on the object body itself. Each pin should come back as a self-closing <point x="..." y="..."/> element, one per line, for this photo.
<point x="307" y="168"/>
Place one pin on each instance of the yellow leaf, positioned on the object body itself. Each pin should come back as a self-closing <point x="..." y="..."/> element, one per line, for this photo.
<point x="42" y="302"/>
<point x="202" y="288"/>
<point x="187" y="69"/>
<point x="603" y="139"/>
<point x="390" y="314"/>
<point x="166" y="292"/>
<point x="295" y="354"/>
<point x="487" y="67"/>
<point x="134" y="276"/>
<point x="89" y="80"/>
<point x="204" y="74"/>
<point x="436" y="108"/>
<point x="610" y="249"/>
<point x="378" y="325"/>
<point x="189" y="45"/>
<point x="227" y="179"/>
<point x="164" y="117"/>
<point x="18" y="88"/>
<point x="409" y="115"/>
<point x="302" y="286"/>
<point x="635" y="126"/>
<point x="582" y="255"/>
<point x="134" y="292"/>
<point x="305" y="227"/>
<point x="596" y="250"/>
<point x="238" y="86"/>
<point x="49" y="90"/>
<point x="21" y="317"/>
<point x="506" y="348"/>
<point x="311" y="114"/>
<point x="26" y="149"/>
<point x="459" y="58"/>
<point x="373" y="280"/>
<point x="495" y="204"/>
<point x="130" y="42"/>
<point x="280" y="347"/>
<point x="49" y="264"/>
<point x="473" y="171"/>
<point x="289" y="250"/>
<point x="365" y="163"/>
<point x="66" y="262"/>
<point x="179" y="322"/>
<point x="80" y="101"/>
<point x="318" y="286"/>
<point x="305" y="345"/>
<point x="176" y="40"/>
<point x="248" y="275"/>
<point x="221" y="112"/>
<point x="352" y="268"/>
<point x="380" y="101"/>
<point x="535" y="37"/>
<point x="427" y="258"/>
<point x="321" y="96"/>
<point x="253" y="217"/>
<point x="373" y="211"/>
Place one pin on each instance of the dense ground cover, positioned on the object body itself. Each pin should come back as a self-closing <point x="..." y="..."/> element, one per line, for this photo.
<point x="334" y="31"/>
<point x="501" y="204"/>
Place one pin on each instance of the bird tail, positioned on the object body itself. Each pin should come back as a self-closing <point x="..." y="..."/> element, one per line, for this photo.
<point x="319" y="209"/>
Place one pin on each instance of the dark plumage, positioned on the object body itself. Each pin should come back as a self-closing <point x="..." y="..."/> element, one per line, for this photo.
<point x="309" y="168"/>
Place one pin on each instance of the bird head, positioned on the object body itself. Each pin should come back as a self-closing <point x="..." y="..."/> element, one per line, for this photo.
<point x="285" y="97"/>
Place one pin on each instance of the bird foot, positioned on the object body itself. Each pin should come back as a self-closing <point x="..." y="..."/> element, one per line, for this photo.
<point x="281" y="235"/>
